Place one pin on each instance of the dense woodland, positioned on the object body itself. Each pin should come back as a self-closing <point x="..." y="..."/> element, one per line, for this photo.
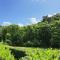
<point x="43" y="34"/>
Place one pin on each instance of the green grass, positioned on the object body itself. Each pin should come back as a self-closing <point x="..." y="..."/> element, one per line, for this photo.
<point x="39" y="53"/>
<point x="5" y="53"/>
<point x="31" y="53"/>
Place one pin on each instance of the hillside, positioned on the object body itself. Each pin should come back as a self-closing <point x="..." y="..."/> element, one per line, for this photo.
<point x="39" y="41"/>
<point x="43" y="34"/>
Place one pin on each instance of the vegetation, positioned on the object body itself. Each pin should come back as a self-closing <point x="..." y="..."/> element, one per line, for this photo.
<point x="44" y="36"/>
<point x="5" y="53"/>
<point x="30" y="53"/>
<point x="37" y="53"/>
<point x="41" y="54"/>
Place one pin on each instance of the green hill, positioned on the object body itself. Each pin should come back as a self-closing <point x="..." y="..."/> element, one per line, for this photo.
<point x="43" y="34"/>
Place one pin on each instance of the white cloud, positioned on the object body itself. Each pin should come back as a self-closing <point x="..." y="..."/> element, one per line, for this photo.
<point x="33" y="20"/>
<point x="20" y="24"/>
<point x="6" y="23"/>
<point x="49" y="15"/>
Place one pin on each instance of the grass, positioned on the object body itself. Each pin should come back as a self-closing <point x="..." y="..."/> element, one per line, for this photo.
<point x="39" y="53"/>
<point x="27" y="53"/>
<point x="5" y="53"/>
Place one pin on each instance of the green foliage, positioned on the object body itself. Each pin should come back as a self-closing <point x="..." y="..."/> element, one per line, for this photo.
<point x="5" y="53"/>
<point x="31" y="53"/>
<point x="43" y="34"/>
<point x="55" y="40"/>
<point x="41" y="54"/>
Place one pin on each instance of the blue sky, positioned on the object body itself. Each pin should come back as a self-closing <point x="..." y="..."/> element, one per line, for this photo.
<point x="23" y="12"/>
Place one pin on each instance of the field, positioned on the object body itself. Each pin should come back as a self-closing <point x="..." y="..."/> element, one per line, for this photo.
<point x="26" y="53"/>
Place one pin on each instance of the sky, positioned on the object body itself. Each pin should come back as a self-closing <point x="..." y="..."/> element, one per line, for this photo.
<point x="24" y="12"/>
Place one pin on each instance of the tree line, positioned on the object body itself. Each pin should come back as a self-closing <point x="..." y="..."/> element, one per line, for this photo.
<point x="43" y="34"/>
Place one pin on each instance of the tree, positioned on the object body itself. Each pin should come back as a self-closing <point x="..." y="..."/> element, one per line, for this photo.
<point x="45" y="34"/>
<point x="55" y="40"/>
